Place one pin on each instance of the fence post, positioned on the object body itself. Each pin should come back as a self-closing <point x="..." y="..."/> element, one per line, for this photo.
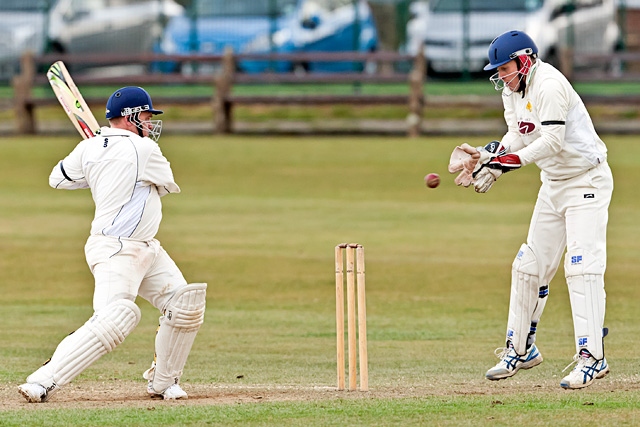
<point x="223" y="108"/>
<point x="22" y="84"/>
<point x="565" y="58"/>
<point x="416" y="94"/>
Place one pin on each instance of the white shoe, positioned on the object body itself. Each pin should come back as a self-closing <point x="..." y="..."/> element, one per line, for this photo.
<point x="34" y="393"/>
<point x="510" y="362"/>
<point x="149" y="373"/>
<point x="150" y="389"/>
<point x="586" y="371"/>
<point x="174" y="392"/>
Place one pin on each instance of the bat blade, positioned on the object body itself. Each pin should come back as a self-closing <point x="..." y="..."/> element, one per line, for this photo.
<point x="72" y="101"/>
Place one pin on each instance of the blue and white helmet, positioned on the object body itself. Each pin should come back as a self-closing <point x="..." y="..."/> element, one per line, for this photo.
<point x="509" y="46"/>
<point x="129" y="102"/>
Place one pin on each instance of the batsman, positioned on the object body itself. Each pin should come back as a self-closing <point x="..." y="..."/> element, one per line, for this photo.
<point x="548" y="125"/>
<point x="127" y="174"/>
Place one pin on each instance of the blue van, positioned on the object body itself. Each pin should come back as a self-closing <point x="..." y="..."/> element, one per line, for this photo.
<point x="271" y="26"/>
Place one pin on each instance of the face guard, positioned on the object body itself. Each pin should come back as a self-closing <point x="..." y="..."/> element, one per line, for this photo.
<point x="152" y="127"/>
<point x="524" y="66"/>
<point x="129" y="102"/>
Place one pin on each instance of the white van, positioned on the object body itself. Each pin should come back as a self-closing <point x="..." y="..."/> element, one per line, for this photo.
<point x="79" y="26"/>
<point x="455" y="42"/>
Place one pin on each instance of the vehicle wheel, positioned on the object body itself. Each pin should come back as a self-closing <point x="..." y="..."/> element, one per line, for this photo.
<point x="616" y="67"/>
<point x="301" y="68"/>
<point x="371" y="67"/>
<point x="56" y="47"/>
<point x="553" y="58"/>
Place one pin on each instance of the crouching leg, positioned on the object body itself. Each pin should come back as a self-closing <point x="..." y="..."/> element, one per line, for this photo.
<point x="105" y="330"/>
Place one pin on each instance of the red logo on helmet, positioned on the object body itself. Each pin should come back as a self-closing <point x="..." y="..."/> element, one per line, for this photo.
<point x="526" y="127"/>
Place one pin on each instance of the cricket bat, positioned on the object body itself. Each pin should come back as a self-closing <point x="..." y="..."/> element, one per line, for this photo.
<point x="72" y="101"/>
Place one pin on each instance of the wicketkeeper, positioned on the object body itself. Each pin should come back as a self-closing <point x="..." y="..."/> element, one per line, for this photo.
<point x="127" y="175"/>
<point x="548" y="125"/>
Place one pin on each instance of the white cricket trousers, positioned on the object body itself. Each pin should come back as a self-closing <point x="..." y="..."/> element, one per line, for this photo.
<point x="571" y="214"/>
<point x="125" y="268"/>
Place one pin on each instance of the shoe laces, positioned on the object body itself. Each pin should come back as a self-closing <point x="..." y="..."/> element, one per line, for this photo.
<point x="580" y="359"/>
<point x="502" y="352"/>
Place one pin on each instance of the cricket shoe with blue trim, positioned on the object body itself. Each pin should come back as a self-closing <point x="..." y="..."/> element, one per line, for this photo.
<point x="511" y="362"/>
<point x="586" y="371"/>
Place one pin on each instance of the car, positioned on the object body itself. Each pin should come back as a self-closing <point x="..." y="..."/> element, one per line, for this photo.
<point x="108" y="26"/>
<point x="454" y="43"/>
<point x="22" y="24"/>
<point x="249" y="27"/>
<point x="417" y="25"/>
<point x="79" y="27"/>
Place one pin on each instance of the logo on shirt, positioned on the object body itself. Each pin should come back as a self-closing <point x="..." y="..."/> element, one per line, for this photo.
<point x="529" y="107"/>
<point x="526" y="127"/>
<point x="589" y="196"/>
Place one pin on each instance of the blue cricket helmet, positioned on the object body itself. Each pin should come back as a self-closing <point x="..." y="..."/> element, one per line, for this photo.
<point x="129" y="100"/>
<point x="508" y="46"/>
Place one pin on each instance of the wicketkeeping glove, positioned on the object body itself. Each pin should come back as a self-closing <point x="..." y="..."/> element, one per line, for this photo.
<point x="495" y="162"/>
<point x="489" y="151"/>
<point x="464" y="159"/>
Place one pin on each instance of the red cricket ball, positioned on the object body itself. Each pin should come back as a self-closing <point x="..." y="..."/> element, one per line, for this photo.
<point x="432" y="180"/>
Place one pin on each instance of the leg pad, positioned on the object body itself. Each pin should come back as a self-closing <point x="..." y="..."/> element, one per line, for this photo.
<point x="107" y="328"/>
<point x="524" y="298"/>
<point x="585" y="280"/>
<point x="183" y="315"/>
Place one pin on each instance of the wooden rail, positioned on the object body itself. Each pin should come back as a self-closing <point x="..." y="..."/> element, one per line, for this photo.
<point x="616" y="66"/>
<point x="223" y="99"/>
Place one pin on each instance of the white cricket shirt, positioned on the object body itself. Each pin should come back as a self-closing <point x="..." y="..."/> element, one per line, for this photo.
<point x="127" y="176"/>
<point x="550" y="126"/>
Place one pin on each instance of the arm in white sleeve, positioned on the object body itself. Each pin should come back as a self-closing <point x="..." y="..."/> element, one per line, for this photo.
<point x="511" y="140"/>
<point x="552" y="111"/>
<point x="158" y="172"/>
<point x="68" y="173"/>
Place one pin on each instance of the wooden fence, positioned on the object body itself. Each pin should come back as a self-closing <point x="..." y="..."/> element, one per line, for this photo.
<point x="385" y="64"/>
<point x="390" y="67"/>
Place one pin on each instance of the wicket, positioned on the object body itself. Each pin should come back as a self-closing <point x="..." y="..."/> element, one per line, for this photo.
<point x="358" y="260"/>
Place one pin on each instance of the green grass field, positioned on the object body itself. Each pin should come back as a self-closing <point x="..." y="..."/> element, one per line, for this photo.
<point x="257" y="219"/>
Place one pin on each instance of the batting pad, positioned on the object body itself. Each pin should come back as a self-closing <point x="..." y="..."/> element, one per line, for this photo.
<point x="585" y="280"/>
<point x="179" y="326"/>
<point x="524" y="298"/>
<point x="106" y="329"/>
